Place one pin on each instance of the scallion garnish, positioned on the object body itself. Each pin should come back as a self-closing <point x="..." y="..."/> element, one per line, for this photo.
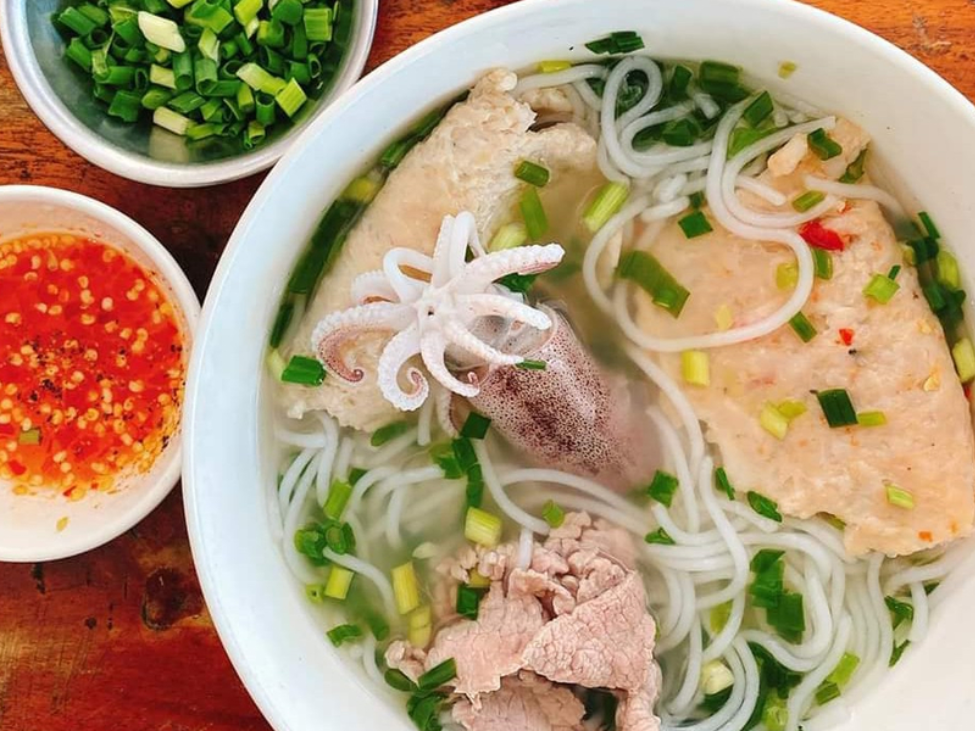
<point x="532" y="365"/>
<point x="773" y="421"/>
<point x="474" y="492"/>
<point x="786" y="276"/>
<point x="662" y="487"/>
<point x="823" y="145"/>
<point x="802" y="327"/>
<point x="854" y="171"/>
<point x="896" y="653"/>
<point x="339" y="582"/>
<point x="899" y="611"/>
<point x="315" y="593"/>
<point x="946" y="266"/>
<point x="743" y="137"/>
<point x="659" y="537"/>
<point x="682" y="132"/>
<point x="303" y="371"/>
<point x="389" y="432"/>
<point x="532" y="211"/>
<point x="438" y="675"/>
<point x="695" y="367"/>
<point x="482" y="528"/>
<point x="406" y="588"/>
<point x="871" y="418"/>
<point x="424" y="709"/>
<point x="620" y="42"/>
<point x="837" y="407"/>
<point x="553" y="514"/>
<point x="476" y="426"/>
<point x="881" y="288"/>
<point x="509" y="236"/>
<point x="553" y="67"/>
<point x="894" y="271"/>
<point x="644" y="269"/>
<point x="899" y="497"/>
<point x="318" y="24"/>
<point x="764" y="506"/>
<point x="758" y="110"/>
<point x="719" y="615"/>
<point x="822" y="263"/>
<point x="695" y="224"/>
<point x="468" y="601"/>
<point x="721" y="477"/>
<point x="465" y="454"/>
<point x="605" y="205"/>
<point x="963" y="353"/>
<point x="791" y="409"/>
<point x="697" y="199"/>
<point x="768" y="585"/>
<point x="787" y="68"/>
<point x="397" y="680"/>
<point x="807" y="200"/>
<point x="827" y="692"/>
<point x="680" y="79"/>
<point x="443" y="456"/>
<point x="519" y="283"/>
<point x="721" y="81"/>
<point x="344" y="633"/>
<point x="788" y="616"/>
<point x="929" y="226"/>
<point x="339" y="493"/>
<point x="532" y="173"/>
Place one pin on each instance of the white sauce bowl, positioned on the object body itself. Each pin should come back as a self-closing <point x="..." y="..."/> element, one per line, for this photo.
<point x="924" y="129"/>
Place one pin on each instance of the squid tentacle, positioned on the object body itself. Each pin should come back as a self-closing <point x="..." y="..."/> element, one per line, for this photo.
<point x="533" y="259"/>
<point x="406" y="287"/>
<point x="456" y="334"/>
<point x="485" y="305"/>
<point x="433" y="347"/>
<point x="372" y="286"/>
<point x="396" y="354"/>
<point x="333" y="331"/>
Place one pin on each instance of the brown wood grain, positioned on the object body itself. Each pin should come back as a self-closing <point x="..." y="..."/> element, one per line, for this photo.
<point x="120" y="637"/>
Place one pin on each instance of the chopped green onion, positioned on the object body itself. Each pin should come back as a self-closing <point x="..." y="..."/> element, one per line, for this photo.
<point x="764" y="506"/>
<point x="607" y="203"/>
<point x="254" y="134"/>
<point x="854" y="171"/>
<point x="304" y="371"/>
<point x="843" y="672"/>
<point x="791" y="409"/>
<point x="719" y="615"/>
<point x="344" y="633"/>
<point x="532" y="365"/>
<point x="659" y="537"/>
<point x="536" y="222"/>
<point x="476" y="426"/>
<point x="30" y="437"/>
<point x="361" y="190"/>
<point x="468" y="601"/>
<point x="764" y="559"/>
<point x="77" y="21"/>
<point x="553" y="514"/>
<point x="788" y="616"/>
<point x="644" y="269"/>
<point x="827" y="692"/>
<point x="758" y="110"/>
<point x="802" y="327"/>
<point x="420" y="626"/>
<point x="620" y="42"/>
<point x="291" y="98"/>
<point x="318" y="24"/>
<point x="696" y="199"/>
<point x="881" y="288"/>
<point x="389" y="432"/>
<point x="723" y="317"/>
<point x="209" y="14"/>
<point x="532" y="173"/>
<point x="270" y="34"/>
<point x="406" y="588"/>
<point x="246" y="10"/>
<point x="743" y="138"/>
<point x="896" y="653"/>
<point x="339" y="581"/>
<point x="822" y="263"/>
<point x="679" y="81"/>
<point x="553" y="67"/>
<point x="775" y="713"/>
<point x="315" y="593"/>
<point x="963" y="353"/>
<point x="482" y="528"/>
<point x="722" y="81"/>
<point x="871" y="418"/>
<point x="397" y="680"/>
<point x="900" y="611"/>
<point x="161" y="31"/>
<point x="682" y="132"/>
<point x="787" y="275"/>
<point x="465" y="454"/>
<point x="424" y="710"/>
<point x="438" y="675"/>
<point x="807" y="200"/>
<point x="209" y="45"/>
<point x="774" y="421"/>
<point x="519" y="283"/>
<point x="837" y="407"/>
<point x="289" y="12"/>
<point x="172" y="121"/>
<point x="721" y="477"/>
<point x="125" y="105"/>
<point x="715" y="677"/>
<point x="162" y="76"/>
<point x="662" y="487"/>
<point x="338" y="497"/>
<point x="767" y="588"/>
<point x="823" y="145"/>
<point x="509" y="236"/>
<point x="695" y="366"/>
<point x="924" y="249"/>
<point x="786" y="69"/>
<point x="947" y="269"/>
<point x="899" y="497"/>
<point x="260" y="80"/>
<point x="929" y="226"/>
<point x="694" y="224"/>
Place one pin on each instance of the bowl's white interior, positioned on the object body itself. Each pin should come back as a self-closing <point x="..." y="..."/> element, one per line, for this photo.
<point x="919" y="123"/>
<point x="28" y="523"/>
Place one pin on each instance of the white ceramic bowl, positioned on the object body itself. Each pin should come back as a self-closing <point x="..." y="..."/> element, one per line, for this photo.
<point x="28" y="523"/>
<point x="59" y="95"/>
<point x="925" y="129"/>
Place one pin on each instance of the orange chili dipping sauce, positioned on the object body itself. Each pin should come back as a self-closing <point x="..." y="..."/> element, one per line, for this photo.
<point x="91" y="365"/>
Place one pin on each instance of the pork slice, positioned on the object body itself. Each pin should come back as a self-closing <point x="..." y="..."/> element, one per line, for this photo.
<point x="579" y="531"/>
<point x="406" y="658"/>
<point x="524" y="703"/>
<point x="466" y="164"/>
<point x="490" y="647"/>
<point x="635" y="711"/>
<point x="606" y="642"/>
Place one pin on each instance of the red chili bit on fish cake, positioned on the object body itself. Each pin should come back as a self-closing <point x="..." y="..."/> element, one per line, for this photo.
<point x="91" y="365"/>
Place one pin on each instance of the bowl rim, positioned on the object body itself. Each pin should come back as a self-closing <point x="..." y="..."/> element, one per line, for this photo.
<point x="262" y="692"/>
<point x="168" y="271"/>
<point x="62" y="123"/>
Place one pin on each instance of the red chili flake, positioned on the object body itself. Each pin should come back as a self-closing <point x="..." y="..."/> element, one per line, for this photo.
<point x="846" y="335"/>
<point x="820" y="237"/>
<point x="925" y="535"/>
<point x="967" y="390"/>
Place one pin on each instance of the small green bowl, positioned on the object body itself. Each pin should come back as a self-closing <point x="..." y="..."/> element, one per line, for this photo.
<point x="60" y="95"/>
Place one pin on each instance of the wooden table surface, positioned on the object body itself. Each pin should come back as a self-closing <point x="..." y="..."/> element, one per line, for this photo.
<point x="119" y="637"/>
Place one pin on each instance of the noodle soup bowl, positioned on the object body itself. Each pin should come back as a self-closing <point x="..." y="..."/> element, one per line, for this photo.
<point x="275" y="639"/>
